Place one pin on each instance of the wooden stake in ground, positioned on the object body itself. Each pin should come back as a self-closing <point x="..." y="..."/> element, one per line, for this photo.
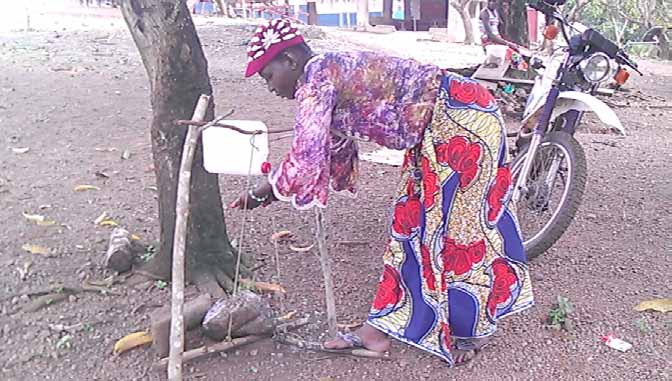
<point x="180" y="243"/>
<point x="320" y="237"/>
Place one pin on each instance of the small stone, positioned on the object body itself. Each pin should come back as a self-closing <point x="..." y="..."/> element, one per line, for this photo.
<point x="254" y="352"/>
<point x="72" y="298"/>
<point x="15" y="300"/>
<point x="223" y="355"/>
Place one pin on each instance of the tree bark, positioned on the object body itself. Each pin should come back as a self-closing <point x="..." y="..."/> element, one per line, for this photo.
<point x="514" y="18"/>
<point x="387" y="11"/>
<point x="363" y="15"/>
<point x="312" y="13"/>
<point x="177" y="69"/>
<point x="462" y="7"/>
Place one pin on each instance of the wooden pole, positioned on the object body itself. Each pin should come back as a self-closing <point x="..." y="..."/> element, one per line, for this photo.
<point x="320" y="236"/>
<point x="180" y="242"/>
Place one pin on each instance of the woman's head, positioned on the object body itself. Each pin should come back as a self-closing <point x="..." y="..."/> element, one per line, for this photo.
<point x="283" y="72"/>
<point x="278" y="53"/>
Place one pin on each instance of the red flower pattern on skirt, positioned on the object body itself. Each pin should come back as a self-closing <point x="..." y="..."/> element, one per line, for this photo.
<point x="445" y="330"/>
<point x="498" y="192"/>
<point x="430" y="183"/>
<point x="462" y="156"/>
<point x="504" y="278"/>
<point x="390" y="291"/>
<point x="427" y="269"/>
<point x="406" y="216"/>
<point x="460" y="259"/>
<point x="470" y="93"/>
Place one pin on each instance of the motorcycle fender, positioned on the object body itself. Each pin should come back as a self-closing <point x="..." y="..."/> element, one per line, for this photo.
<point x="575" y="100"/>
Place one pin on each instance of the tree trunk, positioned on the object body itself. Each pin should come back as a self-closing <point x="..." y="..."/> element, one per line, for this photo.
<point x="221" y="10"/>
<point x="462" y="8"/>
<point x="514" y="18"/>
<point x="664" y="44"/>
<point x="387" y="11"/>
<point x="312" y="12"/>
<point x="177" y="69"/>
<point x="363" y="15"/>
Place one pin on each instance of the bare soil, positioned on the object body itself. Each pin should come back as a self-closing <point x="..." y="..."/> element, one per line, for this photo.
<point x="79" y="100"/>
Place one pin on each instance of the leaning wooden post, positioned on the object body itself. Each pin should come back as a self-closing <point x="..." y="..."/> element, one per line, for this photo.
<point x="320" y="236"/>
<point x="180" y="242"/>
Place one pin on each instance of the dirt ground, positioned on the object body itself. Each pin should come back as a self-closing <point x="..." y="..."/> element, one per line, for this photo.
<point x="78" y="99"/>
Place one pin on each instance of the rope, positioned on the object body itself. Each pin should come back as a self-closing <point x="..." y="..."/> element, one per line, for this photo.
<point x="236" y="279"/>
<point x="277" y="268"/>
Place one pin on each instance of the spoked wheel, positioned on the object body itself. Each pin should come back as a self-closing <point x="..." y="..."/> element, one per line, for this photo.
<point x="555" y="186"/>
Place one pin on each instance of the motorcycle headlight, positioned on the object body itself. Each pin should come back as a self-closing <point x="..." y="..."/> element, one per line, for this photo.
<point x="596" y="67"/>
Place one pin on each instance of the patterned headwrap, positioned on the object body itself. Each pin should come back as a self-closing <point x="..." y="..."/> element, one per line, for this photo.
<point x="269" y="40"/>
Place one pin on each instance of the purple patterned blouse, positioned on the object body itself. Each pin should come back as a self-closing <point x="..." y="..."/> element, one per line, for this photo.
<point x="345" y="97"/>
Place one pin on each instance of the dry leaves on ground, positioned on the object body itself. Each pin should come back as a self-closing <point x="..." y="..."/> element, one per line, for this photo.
<point x="131" y="341"/>
<point x="660" y="305"/>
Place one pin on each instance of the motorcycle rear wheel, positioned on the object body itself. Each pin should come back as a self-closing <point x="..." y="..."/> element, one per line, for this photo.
<point x="551" y="199"/>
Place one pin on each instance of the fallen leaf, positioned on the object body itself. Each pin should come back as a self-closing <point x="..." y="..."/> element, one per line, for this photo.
<point x="268" y="287"/>
<point x="280" y="235"/>
<point x="20" y="150"/>
<point x="660" y="305"/>
<point x="33" y="217"/>
<point x="126" y="154"/>
<point x="81" y="188"/>
<point x="39" y="219"/>
<point x="131" y="341"/>
<point x="36" y="249"/>
<point x="287" y="316"/>
<point x="301" y="249"/>
<point x="109" y="223"/>
<point x="102" y="149"/>
<point x="135" y="237"/>
<point x="100" y="218"/>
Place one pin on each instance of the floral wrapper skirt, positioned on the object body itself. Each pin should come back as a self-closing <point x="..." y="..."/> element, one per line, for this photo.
<point x="455" y="262"/>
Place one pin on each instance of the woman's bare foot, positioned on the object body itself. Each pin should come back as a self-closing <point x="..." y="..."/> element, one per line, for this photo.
<point x="466" y="350"/>
<point x="371" y="339"/>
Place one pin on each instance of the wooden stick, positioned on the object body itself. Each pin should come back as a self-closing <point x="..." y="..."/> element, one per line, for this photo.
<point x="179" y="243"/>
<point x="320" y="237"/>
<point x="244" y="132"/>
<point x="224" y="346"/>
<point x="312" y="346"/>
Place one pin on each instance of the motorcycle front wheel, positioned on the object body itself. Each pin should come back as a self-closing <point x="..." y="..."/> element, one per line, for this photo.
<point x="553" y="193"/>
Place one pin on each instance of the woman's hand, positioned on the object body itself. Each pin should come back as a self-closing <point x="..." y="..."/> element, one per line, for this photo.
<point x="513" y="46"/>
<point x="262" y="195"/>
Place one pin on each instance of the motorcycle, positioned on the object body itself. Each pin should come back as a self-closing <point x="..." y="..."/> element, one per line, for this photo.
<point x="549" y="170"/>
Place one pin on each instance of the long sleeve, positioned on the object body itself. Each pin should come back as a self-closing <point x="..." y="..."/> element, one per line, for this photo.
<point x="303" y="175"/>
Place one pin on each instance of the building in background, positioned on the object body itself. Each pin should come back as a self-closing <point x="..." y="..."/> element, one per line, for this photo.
<point x="420" y="15"/>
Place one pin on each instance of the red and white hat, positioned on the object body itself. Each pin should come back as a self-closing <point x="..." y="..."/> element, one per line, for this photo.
<point x="269" y="40"/>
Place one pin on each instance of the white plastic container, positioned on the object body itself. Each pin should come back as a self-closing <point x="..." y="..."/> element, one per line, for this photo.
<point x="230" y="152"/>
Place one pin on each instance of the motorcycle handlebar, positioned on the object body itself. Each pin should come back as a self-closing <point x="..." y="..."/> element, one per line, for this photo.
<point x="623" y="58"/>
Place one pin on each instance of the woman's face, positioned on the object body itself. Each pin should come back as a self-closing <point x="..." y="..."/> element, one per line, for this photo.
<point x="281" y="75"/>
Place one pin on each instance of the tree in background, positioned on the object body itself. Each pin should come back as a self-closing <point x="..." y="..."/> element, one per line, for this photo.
<point x="462" y="8"/>
<point x="514" y="18"/>
<point x="626" y="20"/>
